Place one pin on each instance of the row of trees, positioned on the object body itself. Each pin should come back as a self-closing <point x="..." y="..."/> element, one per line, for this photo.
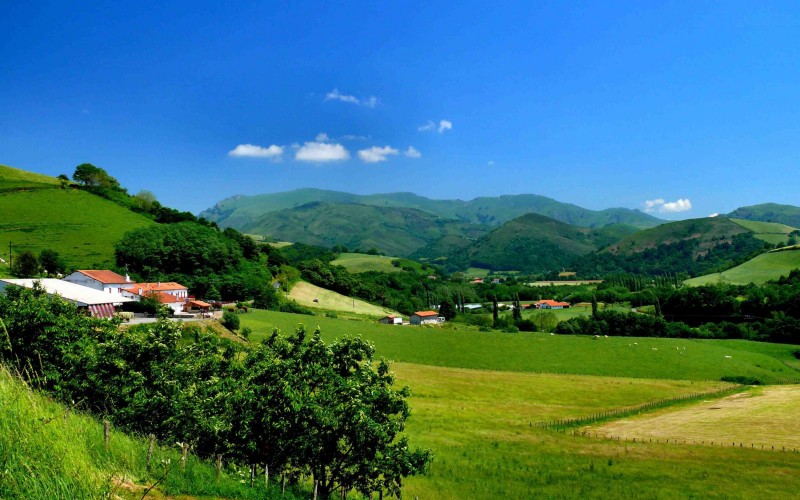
<point x="300" y="406"/>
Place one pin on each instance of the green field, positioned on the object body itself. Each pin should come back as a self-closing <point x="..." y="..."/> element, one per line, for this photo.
<point x="48" y="452"/>
<point x="305" y="294"/>
<point x="527" y="352"/>
<point x="765" y="267"/>
<point x="771" y="232"/>
<point x="83" y="228"/>
<point x="361" y="263"/>
<point x="12" y="178"/>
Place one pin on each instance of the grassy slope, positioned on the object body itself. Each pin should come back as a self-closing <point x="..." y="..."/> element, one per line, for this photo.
<point x="47" y="453"/>
<point x="707" y="230"/>
<point x="83" y="228"/>
<point x="305" y="293"/>
<point x="769" y="212"/>
<point x="13" y="178"/>
<point x="771" y="232"/>
<point x="361" y="263"/>
<point x="759" y="270"/>
<point x="614" y="356"/>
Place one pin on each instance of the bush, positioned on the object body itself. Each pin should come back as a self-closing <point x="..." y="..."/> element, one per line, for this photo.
<point x="741" y="379"/>
<point x="230" y="320"/>
<point x="245" y="332"/>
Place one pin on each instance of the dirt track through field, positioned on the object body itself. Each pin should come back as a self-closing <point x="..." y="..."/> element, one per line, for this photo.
<point x="762" y="416"/>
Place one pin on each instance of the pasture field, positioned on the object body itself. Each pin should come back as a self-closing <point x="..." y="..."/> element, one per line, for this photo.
<point x="305" y="293"/>
<point x="760" y="269"/>
<point x="12" y="178"/>
<point x="680" y="359"/>
<point x="81" y="227"/>
<point x="762" y="416"/>
<point x="771" y="232"/>
<point x="478" y="425"/>
<point x="361" y="263"/>
<point x="47" y="452"/>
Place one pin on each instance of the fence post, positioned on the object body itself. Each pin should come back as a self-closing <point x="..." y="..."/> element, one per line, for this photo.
<point x="107" y="432"/>
<point x="266" y="475"/>
<point x="219" y="464"/>
<point x="150" y="445"/>
<point x="184" y="451"/>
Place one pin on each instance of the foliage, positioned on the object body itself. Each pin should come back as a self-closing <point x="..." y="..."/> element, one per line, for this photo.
<point x="230" y="320"/>
<point x="52" y="262"/>
<point x="25" y="265"/>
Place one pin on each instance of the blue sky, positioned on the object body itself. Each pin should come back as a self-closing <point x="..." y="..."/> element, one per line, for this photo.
<point x="681" y="108"/>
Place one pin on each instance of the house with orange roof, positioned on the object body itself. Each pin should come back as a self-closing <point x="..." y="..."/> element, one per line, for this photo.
<point x="171" y="294"/>
<point x="426" y="317"/>
<point x="391" y="320"/>
<point x="551" y="304"/>
<point x="99" y="279"/>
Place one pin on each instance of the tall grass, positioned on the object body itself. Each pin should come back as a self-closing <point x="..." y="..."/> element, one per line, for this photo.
<point x="48" y="451"/>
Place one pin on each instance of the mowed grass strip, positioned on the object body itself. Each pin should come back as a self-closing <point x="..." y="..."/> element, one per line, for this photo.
<point x="762" y="416"/>
<point x="305" y="294"/>
<point x="678" y="359"/>
<point x="478" y="425"/>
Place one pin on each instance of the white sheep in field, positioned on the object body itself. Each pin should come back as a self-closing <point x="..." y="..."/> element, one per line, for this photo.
<point x="727" y="357"/>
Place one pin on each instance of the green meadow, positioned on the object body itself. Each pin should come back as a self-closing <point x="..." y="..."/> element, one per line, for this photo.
<point x="679" y="359"/>
<point x="81" y="227"/>
<point x="771" y="232"/>
<point x="361" y="263"/>
<point x="765" y="267"/>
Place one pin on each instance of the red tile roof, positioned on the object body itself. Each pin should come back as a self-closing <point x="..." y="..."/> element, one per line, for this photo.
<point x="199" y="303"/>
<point x="426" y="313"/>
<point x="155" y="287"/>
<point x="103" y="276"/>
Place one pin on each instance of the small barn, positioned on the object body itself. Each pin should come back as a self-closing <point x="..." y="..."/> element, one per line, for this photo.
<point x="391" y="320"/>
<point x="426" y="317"/>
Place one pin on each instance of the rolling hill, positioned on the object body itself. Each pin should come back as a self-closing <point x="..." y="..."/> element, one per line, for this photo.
<point x="35" y="214"/>
<point x="241" y="211"/>
<point x="765" y="267"/>
<point x="771" y="232"/>
<point x="531" y="242"/>
<point x="394" y="231"/>
<point x="769" y="212"/>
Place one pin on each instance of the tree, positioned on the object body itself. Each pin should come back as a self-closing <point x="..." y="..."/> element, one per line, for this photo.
<point x="145" y="200"/>
<point x="52" y="262"/>
<point x="26" y="265"/>
<point x="447" y="309"/>
<point x="230" y="320"/>
<point x="63" y="181"/>
<point x="327" y="411"/>
<point x="87" y="174"/>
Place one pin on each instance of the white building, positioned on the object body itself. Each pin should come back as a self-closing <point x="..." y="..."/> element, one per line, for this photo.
<point x="171" y="294"/>
<point x="103" y="280"/>
<point x="391" y="320"/>
<point x="99" y="304"/>
<point x="426" y="317"/>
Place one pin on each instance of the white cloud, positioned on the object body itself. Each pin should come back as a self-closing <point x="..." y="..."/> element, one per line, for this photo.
<point x="412" y="152"/>
<point x="679" y="205"/>
<point x="335" y="95"/>
<point x="252" y="151"/>
<point x="650" y="205"/>
<point x="376" y="154"/>
<point x="351" y="137"/>
<point x="441" y="127"/>
<point x="322" y="137"/>
<point x="427" y="127"/>
<point x="315" y="151"/>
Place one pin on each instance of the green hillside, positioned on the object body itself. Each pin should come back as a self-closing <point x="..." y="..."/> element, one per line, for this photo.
<point x="393" y="231"/>
<point x="48" y="451"/>
<point x="765" y="267"/>
<point x="708" y="232"/>
<point x="36" y="214"/>
<point x="771" y="232"/>
<point x="362" y="263"/>
<point x="531" y="242"/>
<point x="769" y="212"/>
<point x="241" y="211"/>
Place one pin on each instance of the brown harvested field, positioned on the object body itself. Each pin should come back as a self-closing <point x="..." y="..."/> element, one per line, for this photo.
<point x="761" y="416"/>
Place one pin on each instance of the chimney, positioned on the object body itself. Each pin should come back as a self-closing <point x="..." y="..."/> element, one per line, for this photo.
<point x="127" y="278"/>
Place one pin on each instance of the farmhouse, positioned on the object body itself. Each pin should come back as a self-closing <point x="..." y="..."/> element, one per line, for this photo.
<point x="96" y="302"/>
<point x="426" y="317"/>
<point x="551" y="304"/>
<point x="391" y="320"/>
<point x="103" y="280"/>
<point x="171" y="294"/>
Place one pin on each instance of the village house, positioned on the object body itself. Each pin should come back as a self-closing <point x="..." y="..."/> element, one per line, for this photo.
<point x="97" y="303"/>
<point x="171" y="294"/>
<point x="391" y="320"/>
<point x="426" y="317"/>
<point x="103" y="280"/>
<point x="551" y="304"/>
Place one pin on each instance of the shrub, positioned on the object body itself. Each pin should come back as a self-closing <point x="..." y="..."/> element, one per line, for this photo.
<point x="245" y="332"/>
<point x="741" y="379"/>
<point x="230" y="320"/>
